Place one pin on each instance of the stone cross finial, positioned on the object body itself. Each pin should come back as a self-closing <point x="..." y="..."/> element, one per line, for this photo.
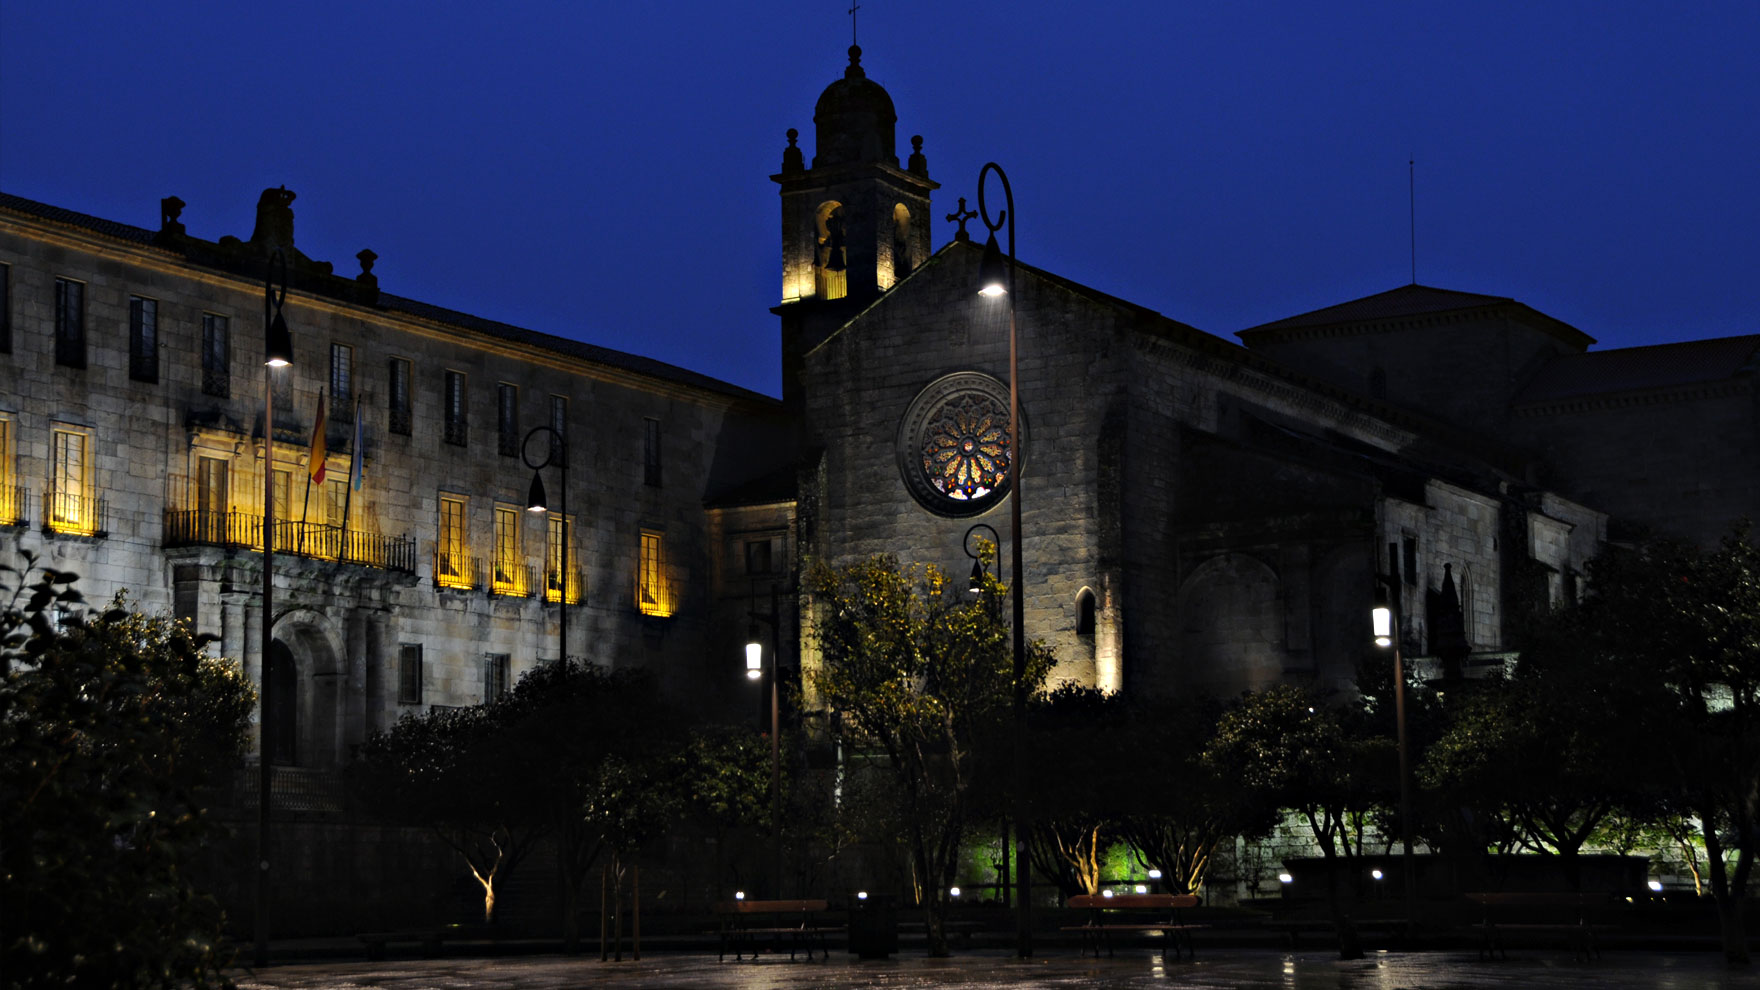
<point x="960" y="216"/>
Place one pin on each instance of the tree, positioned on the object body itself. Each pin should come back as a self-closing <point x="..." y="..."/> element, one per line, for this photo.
<point x="112" y="730"/>
<point x="924" y="675"/>
<point x="1080" y="783"/>
<point x="1672" y="633"/>
<point x="1297" y="752"/>
<point x="455" y="771"/>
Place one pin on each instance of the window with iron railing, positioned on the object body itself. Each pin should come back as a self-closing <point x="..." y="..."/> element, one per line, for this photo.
<point x="508" y="576"/>
<point x="507" y="419"/>
<point x="13" y="496"/>
<point x="653" y="596"/>
<point x="5" y="309"/>
<point x="452" y="562"/>
<point x="562" y="580"/>
<point x="73" y="508"/>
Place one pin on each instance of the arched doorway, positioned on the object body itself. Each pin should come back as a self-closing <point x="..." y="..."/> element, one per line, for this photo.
<point x="282" y="731"/>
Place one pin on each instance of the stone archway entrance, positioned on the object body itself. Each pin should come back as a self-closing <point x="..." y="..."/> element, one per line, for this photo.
<point x="306" y="703"/>
<point x="283" y="713"/>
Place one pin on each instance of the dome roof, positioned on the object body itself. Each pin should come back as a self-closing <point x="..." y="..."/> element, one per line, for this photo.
<point x="855" y="120"/>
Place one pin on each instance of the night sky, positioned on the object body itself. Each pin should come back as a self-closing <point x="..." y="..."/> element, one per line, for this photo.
<point x="601" y="171"/>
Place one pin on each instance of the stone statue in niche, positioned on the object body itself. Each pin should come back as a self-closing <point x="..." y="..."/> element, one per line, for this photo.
<point x="834" y="256"/>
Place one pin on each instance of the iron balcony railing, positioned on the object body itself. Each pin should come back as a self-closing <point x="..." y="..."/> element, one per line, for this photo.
<point x="553" y="584"/>
<point x="76" y="514"/>
<point x="455" y="569"/>
<point x="15" y="505"/>
<point x="319" y="541"/>
<point x="510" y="579"/>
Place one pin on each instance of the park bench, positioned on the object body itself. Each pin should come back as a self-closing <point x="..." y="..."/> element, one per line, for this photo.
<point x="1135" y="914"/>
<point x="798" y="923"/>
<point x="1567" y="913"/>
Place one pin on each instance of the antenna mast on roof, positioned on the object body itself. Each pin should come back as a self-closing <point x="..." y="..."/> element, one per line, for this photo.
<point x="852" y="22"/>
<point x="1412" y="211"/>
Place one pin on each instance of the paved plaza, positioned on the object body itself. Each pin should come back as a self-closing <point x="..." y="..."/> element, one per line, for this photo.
<point x="1239" y="969"/>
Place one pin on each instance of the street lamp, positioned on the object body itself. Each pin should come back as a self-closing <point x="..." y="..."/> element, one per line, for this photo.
<point x="755" y="671"/>
<point x="997" y="279"/>
<point x="1385" y="626"/>
<point x="537" y="501"/>
<point x="978" y="570"/>
<point x="277" y="353"/>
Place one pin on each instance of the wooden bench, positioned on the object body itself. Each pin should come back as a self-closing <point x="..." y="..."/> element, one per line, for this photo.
<point x="376" y="942"/>
<point x="799" y="923"/>
<point x="1561" y="912"/>
<point x="1148" y="914"/>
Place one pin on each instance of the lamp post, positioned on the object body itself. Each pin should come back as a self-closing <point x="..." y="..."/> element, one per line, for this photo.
<point x="277" y="353"/>
<point x="1385" y="620"/>
<point x="755" y="671"/>
<point x="997" y="279"/>
<point x="538" y="501"/>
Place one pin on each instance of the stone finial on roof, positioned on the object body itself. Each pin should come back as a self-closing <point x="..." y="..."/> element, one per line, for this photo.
<point x="170" y="228"/>
<point x="918" y="163"/>
<point x="792" y="160"/>
<point x="366" y="283"/>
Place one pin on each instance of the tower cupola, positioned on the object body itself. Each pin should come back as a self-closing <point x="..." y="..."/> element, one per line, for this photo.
<point x="855" y="120"/>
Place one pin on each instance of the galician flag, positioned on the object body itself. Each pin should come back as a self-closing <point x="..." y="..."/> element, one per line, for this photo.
<point x="357" y="464"/>
<point x="317" y="452"/>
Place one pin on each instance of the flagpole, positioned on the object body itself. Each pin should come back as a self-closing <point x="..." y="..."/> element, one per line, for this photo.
<point x="355" y="466"/>
<point x="317" y="450"/>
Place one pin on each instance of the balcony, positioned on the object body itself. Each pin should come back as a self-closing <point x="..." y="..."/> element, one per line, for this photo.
<point x="511" y="579"/>
<point x="553" y="585"/>
<point x="76" y="514"/>
<point x="15" y="505"/>
<point x="456" y="570"/>
<point x="318" y="541"/>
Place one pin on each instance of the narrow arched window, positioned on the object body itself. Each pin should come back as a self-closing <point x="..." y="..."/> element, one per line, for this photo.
<point x="901" y="242"/>
<point x="1085" y="613"/>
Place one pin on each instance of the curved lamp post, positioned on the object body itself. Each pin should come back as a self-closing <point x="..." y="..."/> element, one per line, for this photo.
<point x="277" y="353"/>
<point x="996" y="278"/>
<point x="1385" y="621"/>
<point x="537" y="500"/>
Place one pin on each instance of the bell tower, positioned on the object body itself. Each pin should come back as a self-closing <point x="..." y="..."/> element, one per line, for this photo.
<point x="854" y="224"/>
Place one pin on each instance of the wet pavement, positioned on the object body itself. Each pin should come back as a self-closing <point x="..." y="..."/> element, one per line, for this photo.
<point x="1223" y="969"/>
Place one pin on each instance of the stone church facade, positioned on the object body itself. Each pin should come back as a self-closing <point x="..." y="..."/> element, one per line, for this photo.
<point x="1198" y="515"/>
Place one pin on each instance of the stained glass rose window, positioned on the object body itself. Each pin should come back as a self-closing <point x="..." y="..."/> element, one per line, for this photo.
<point x="953" y="445"/>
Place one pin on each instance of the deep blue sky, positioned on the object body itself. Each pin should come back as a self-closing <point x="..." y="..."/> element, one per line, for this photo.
<point x="600" y="170"/>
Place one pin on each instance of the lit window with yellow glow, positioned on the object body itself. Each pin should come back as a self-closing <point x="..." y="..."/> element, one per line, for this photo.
<point x="11" y="494"/>
<point x="72" y="509"/>
<point x="509" y="575"/>
<point x="452" y="565"/>
<point x="653" y="597"/>
<point x="558" y="573"/>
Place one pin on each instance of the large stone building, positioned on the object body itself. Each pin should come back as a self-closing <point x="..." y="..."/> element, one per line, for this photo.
<point x="1198" y="515"/>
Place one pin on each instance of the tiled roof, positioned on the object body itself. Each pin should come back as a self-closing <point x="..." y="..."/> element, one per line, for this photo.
<point x="1407" y="300"/>
<point x="599" y="355"/>
<point x="1629" y="369"/>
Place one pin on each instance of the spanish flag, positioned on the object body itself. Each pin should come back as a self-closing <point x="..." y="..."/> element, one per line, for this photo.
<point x="316" y="455"/>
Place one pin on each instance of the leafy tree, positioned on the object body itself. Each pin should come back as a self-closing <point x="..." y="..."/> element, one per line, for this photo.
<point x="112" y="728"/>
<point x="924" y="675"/>
<point x="457" y="772"/>
<point x="1079" y="783"/>
<point x="1182" y="805"/>
<point x="723" y="775"/>
<point x="1296" y="751"/>
<point x="1672" y="634"/>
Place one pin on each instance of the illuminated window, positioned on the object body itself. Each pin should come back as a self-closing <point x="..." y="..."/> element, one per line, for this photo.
<point x="653" y="597"/>
<point x="451" y="563"/>
<point x="212" y="499"/>
<point x="341" y="374"/>
<point x="143" y="339"/>
<point x="216" y="356"/>
<point x="456" y="424"/>
<point x="509" y="574"/>
<point x="559" y="423"/>
<point x="11" y="494"/>
<point x="901" y="241"/>
<point x="507" y="419"/>
<point x="71" y="506"/>
<point x="70" y="323"/>
<point x="409" y="674"/>
<point x="832" y="261"/>
<point x="651" y="454"/>
<point x="557" y="569"/>
<point x="494" y="675"/>
<point x="399" y="393"/>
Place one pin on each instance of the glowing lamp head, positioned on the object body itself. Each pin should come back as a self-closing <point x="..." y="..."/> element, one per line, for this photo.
<point x="861" y="895"/>
<point x="1142" y="889"/>
<point x="537" y="500"/>
<point x="953" y="891"/>
<point x="1285" y="878"/>
<point x="739" y="895"/>
<point x="992" y="271"/>
<point x="1106" y="893"/>
<point x="1656" y="885"/>
<point x="1381" y="618"/>
<point x="754" y="658"/>
<point x="279" y="346"/>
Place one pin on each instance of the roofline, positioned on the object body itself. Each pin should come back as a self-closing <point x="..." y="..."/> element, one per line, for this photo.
<point x="1495" y="305"/>
<point x="40" y="213"/>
